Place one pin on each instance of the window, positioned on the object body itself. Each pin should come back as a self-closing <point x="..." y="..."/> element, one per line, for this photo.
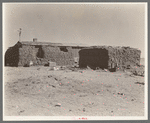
<point x="64" y="49"/>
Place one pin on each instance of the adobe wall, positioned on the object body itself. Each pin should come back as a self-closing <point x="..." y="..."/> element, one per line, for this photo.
<point x="60" y="55"/>
<point x="109" y="57"/>
<point x="123" y="57"/>
<point x="27" y="54"/>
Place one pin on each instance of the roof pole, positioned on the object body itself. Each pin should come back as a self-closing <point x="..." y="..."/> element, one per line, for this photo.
<point x="20" y="34"/>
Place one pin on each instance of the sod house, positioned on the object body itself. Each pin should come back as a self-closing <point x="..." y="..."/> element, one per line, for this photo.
<point x="41" y="52"/>
<point x="107" y="57"/>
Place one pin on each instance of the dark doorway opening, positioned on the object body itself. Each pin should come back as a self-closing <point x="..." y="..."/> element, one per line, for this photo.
<point x="40" y="53"/>
<point x="93" y="58"/>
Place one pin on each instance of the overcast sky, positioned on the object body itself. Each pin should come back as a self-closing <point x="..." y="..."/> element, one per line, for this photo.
<point x="94" y="24"/>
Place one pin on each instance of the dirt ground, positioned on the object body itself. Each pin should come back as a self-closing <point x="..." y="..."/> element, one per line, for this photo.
<point x="39" y="91"/>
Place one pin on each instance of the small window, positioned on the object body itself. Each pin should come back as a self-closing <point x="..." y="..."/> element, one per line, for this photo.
<point x="64" y="49"/>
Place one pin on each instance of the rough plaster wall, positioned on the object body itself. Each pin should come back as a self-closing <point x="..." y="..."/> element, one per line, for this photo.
<point x="122" y="56"/>
<point x="54" y="54"/>
<point x="75" y="51"/>
<point x="27" y="54"/>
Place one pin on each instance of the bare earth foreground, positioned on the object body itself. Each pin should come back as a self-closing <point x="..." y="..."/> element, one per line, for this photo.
<point x="39" y="91"/>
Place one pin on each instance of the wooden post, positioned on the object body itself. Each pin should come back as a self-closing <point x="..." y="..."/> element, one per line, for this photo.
<point x="20" y="34"/>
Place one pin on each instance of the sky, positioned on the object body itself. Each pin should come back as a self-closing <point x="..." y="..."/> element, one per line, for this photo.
<point x="91" y="24"/>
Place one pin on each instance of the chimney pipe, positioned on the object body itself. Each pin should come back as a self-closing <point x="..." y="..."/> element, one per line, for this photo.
<point x="34" y="39"/>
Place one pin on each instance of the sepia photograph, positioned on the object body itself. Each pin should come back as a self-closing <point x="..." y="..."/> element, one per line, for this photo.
<point x="75" y="61"/>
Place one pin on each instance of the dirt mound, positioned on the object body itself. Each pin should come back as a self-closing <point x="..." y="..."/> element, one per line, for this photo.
<point x="138" y="71"/>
